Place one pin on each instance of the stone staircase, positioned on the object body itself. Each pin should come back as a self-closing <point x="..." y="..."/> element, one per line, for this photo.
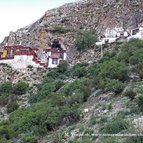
<point x="41" y="64"/>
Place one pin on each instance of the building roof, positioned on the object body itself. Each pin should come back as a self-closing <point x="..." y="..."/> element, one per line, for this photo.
<point x="55" y="55"/>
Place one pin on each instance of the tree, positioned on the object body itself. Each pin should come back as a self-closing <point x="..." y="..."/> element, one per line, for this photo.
<point x="62" y="67"/>
<point x="20" y="88"/>
<point x="85" y="39"/>
<point x="6" y="87"/>
<point x="112" y="69"/>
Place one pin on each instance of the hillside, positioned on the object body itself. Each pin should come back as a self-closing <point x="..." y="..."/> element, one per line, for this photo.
<point x="103" y="16"/>
<point x="99" y="102"/>
<point x="90" y="98"/>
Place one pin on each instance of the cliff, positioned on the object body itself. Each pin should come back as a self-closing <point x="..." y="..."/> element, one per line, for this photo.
<point x="105" y="16"/>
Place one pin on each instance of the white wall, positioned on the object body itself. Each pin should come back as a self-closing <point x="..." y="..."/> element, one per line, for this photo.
<point x="65" y="56"/>
<point x="138" y="35"/>
<point x="50" y="65"/>
<point x="20" y="62"/>
<point x="103" y="41"/>
<point x="112" y="32"/>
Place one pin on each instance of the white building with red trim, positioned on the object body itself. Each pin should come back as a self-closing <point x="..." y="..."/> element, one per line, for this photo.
<point x="55" y="56"/>
<point x="19" y="57"/>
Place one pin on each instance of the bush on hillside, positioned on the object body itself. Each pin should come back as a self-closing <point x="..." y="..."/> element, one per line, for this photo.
<point x="116" y="126"/>
<point x="139" y="101"/>
<point x="20" y="88"/>
<point x="79" y="70"/>
<point x="130" y="51"/>
<point x="30" y="139"/>
<point x="4" y="140"/>
<point x="62" y="67"/>
<point x="115" y="86"/>
<point x="112" y="70"/>
<point x="130" y="93"/>
<point x="108" y="56"/>
<point x="12" y="107"/>
<point x="85" y="39"/>
<point x="137" y="57"/>
<point x="46" y="90"/>
<point x="6" y="87"/>
<point x="112" y="85"/>
<point x="134" y="139"/>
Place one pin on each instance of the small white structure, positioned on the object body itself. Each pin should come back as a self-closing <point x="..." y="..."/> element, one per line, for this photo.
<point x="86" y="110"/>
<point x="106" y="41"/>
<point x="136" y="33"/>
<point x="126" y="34"/>
<point x="111" y="36"/>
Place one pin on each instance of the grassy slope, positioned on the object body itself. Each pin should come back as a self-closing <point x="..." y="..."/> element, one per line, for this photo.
<point x="57" y="106"/>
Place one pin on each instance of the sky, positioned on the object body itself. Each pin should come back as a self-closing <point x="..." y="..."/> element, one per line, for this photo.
<point x="15" y="14"/>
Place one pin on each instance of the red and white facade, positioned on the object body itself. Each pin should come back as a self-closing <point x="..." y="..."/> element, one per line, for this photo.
<point x="19" y="57"/>
<point x="55" y="56"/>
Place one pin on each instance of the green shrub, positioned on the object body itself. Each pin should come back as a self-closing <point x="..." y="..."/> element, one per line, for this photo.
<point x="78" y="90"/>
<point x="131" y="52"/>
<point x="4" y="140"/>
<point x="108" y="56"/>
<point x="109" y="140"/>
<point x="139" y="90"/>
<point x="62" y="67"/>
<point x="130" y="93"/>
<point x="45" y="91"/>
<point x="134" y="109"/>
<point x="123" y="57"/>
<point x="115" y="86"/>
<point x="103" y="120"/>
<point x="116" y="126"/>
<point x="139" y="101"/>
<point x="53" y="74"/>
<point x="5" y="132"/>
<point x="138" y="68"/>
<point x="6" y="87"/>
<point x="85" y="39"/>
<point x="93" y="120"/>
<point x="112" y="69"/>
<point x="110" y="85"/>
<point x="12" y="107"/>
<point x="30" y="139"/>
<point x="137" y="57"/>
<point x="89" y="131"/>
<point x="79" y="70"/>
<point x="57" y="138"/>
<point x="42" y="117"/>
<point x="57" y="99"/>
<point x="20" y="88"/>
<point x="4" y="98"/>
<point x="133" y="139"/>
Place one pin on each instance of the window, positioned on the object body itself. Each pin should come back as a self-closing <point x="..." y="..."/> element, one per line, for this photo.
<point x="55" y="61"/>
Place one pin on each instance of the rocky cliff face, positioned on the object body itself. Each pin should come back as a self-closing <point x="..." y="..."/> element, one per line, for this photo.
<point x="63" y="22"/>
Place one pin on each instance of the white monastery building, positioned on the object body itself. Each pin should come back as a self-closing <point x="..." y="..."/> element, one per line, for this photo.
<point x="19" y="57"/>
